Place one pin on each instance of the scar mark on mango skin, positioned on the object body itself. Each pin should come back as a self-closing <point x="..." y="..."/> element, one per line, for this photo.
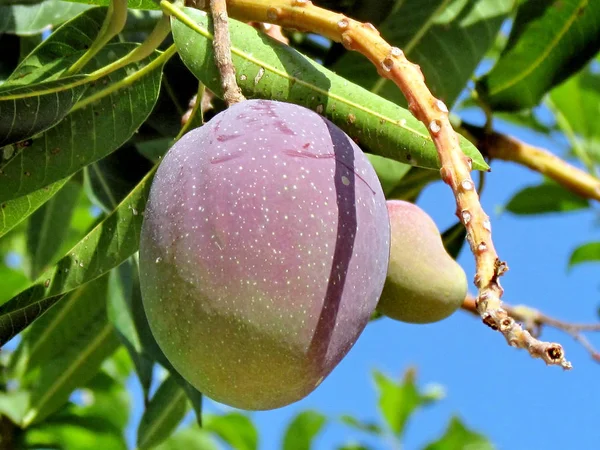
<point x="301" y="154"/>
<point x="225" y="158"/>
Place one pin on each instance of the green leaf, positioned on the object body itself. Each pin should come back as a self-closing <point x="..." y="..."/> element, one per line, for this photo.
<point x="447" y="38"/>
<point x="33" y="108"/>
<point x="454" y="239"/>
<point x="165" y="411"/>
<point x="13" y="405"/>
<point x="269" y="69"/>
<point x="69" y="39"/>
<point x="65" y="348"/>
<point x="545" y="198"/>
<point x="48" y="227"/>
<point x="235" y="429"/>
<point x="122" y="283"/>
<point x="192" y="438"/>
<point x="104" y="398"/>
<point x="134" y="4"/>
<point x="87" y="434"/>
<point x="353" y="422"/>
<point x="549" y="42"/>
<point x="109" y="180"/>
<point x="589" y="252"/>
<point x="457" y="436"/>
<point x="397" y="402"/>
<point x="17" y="210"/>
<point x="36" y="17"/>
<point x="303" y="430"/>
<point x="412" y="184"/>
<point x="109" y="244"/>
<point x="389" y="172"/>
<point x="577" y="100"/>
<point x="90" y="132"/>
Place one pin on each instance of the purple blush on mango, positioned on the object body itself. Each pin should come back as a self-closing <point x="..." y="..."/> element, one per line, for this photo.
<point x="263" y="253"/>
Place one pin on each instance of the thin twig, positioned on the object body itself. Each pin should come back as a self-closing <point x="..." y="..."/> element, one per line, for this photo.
<point x="455" y="165"/>
<point x="222" y="46"/>
<point x="534" y="320"/>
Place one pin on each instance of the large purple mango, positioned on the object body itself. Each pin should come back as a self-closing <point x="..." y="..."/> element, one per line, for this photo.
<point x="263" y="253"/>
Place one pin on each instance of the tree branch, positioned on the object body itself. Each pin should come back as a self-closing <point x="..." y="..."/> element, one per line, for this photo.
<point x="222" y="46"/>
<point x="507" y="148"/>
<point x="433" y="113"/>
<point x="533" y="321"/>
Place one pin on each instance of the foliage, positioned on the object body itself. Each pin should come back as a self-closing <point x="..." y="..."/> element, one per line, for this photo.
<point x="78" y="152"/>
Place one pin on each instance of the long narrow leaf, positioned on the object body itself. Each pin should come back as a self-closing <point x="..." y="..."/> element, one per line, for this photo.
<point x="268" y="69"/>
<point x="105" y="247"/>
<point x="29" y="110"/>
<point x="48" y="227"/>
<point x="164" y="412"/>
<point x="32" y="19"/>
<point x="88" y="133"/>
<point x="15" y="211"/>
<point x="549" y="42"/>
<point x="68" y="347"/>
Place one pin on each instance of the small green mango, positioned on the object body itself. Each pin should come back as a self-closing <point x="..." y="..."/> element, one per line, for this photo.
<point x="424" y="283"/>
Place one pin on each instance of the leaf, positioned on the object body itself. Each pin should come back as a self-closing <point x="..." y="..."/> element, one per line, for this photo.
<point x="447" y="38"/>
<point x="303" y="429"/>
<point x="165" y="411"/>
<point x="36" y="17"/>
<point x="109" y="180"/>
<point x="17" y="210"/>
<point x="86" y="435"/>
<point x="549" y="42"/>
<point x="397" y="402"/>
<point x="389" y="172"/>
<point x="269" y="69"/>
<point x="353" y="422"/>
<point x="457" y="436"/>
<point x="134" y="4"/>
<point x="109" y="244"/>
<point x="577" y="100"/>
<point x="122" y="283"/>
<point x="88" y="133"/>
<point x="13" y="404"/>
<point x="589" y="252"/>
<point x="105" y="398"/>
<point x="545" y="198"/>
<point x="235" y="429"/>
<point x="65" y="348"/>
<point x="31" y="109"/>
<point x="69" y="39"/>
<point x="412" y="184"/>
<point x="454" y="239"/>
<point x="191" y="438"/>
<point x="48" y="227"/>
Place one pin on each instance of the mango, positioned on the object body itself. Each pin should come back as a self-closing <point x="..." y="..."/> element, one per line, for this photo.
<point x="263" y="253"/>
<point x="424" y="283"/>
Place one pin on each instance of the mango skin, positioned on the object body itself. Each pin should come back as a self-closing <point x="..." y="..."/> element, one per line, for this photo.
<point x="263" y="253"/>
<point x="424" y="284"/>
